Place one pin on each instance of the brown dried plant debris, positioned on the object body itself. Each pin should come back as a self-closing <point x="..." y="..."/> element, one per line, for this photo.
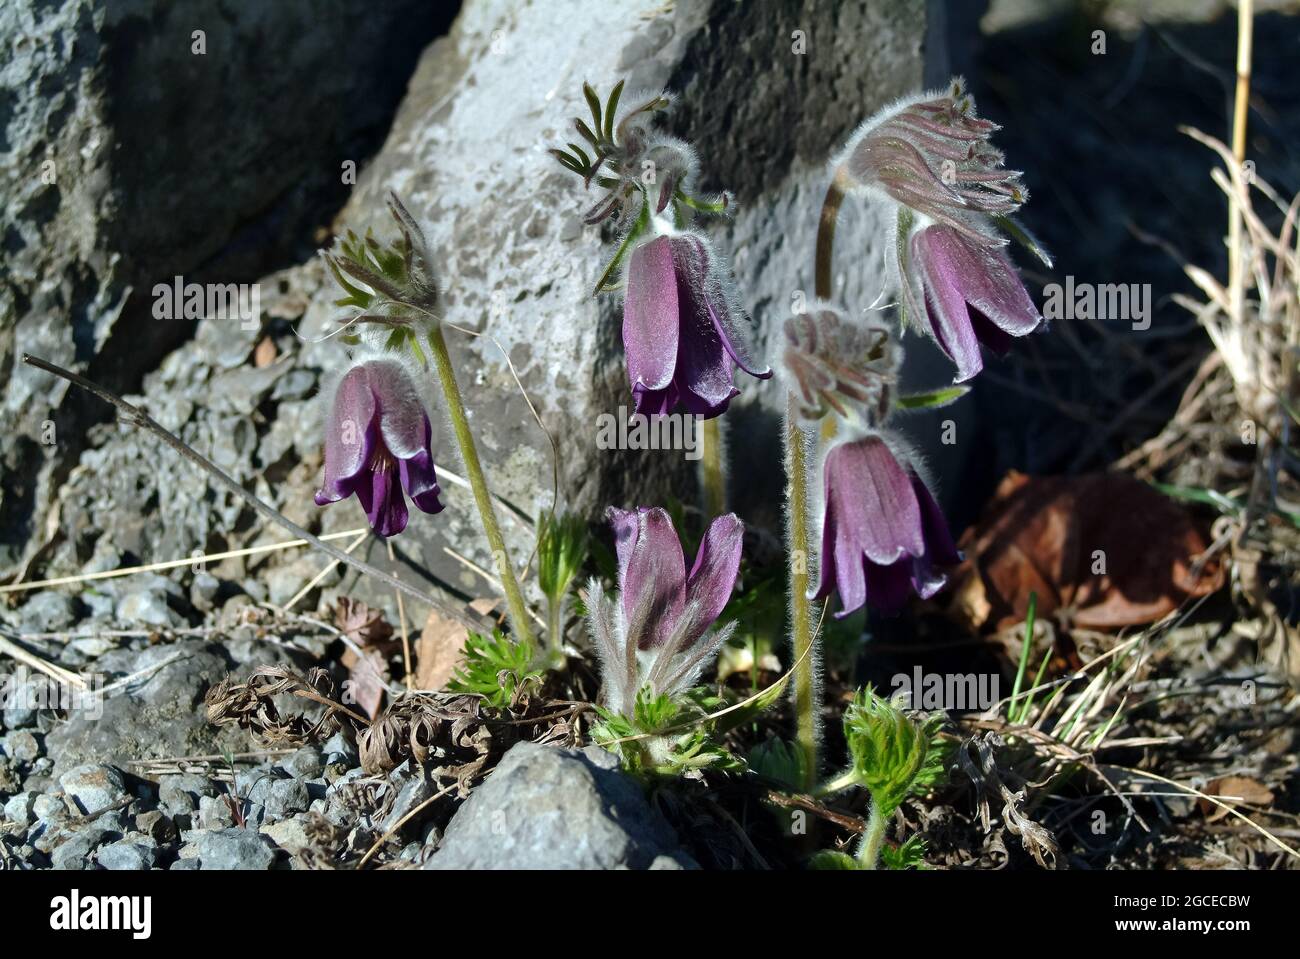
<point x="452" y="731"/>
<point x="1101" y="551"/>
<point x="976" y="758"/>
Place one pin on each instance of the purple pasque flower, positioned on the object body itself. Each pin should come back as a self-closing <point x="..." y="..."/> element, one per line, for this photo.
<point x="377" y="443"/>
<point x="972" y="296"/>
<point x="931" y="156"/>
<point x="659" y="631"/>
<point x="882" y="533"/>
<point x="683" y="333"/>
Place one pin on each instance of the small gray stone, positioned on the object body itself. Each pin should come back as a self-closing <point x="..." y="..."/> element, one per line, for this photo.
<point x="290" y="835"/>
<point x="145" y="606"/>
<point x="74" y="852"/>
<point x="184" y="865"/>
<point x="128" y="854"/>
<point x="549" y="808"/>
<point x="286" y="797"/>
<point x="306" y="763"/>
<point x="214" y="813"/>
<point x="19" y="809"/>
<point x="49" y="809"/>
<point x="181" y="793"/>
<point x="47" y="612"/>
<point x="413" y="792"/>
<point x="93" y="788"/>
<point x="232" y="849"/>
<point x="22" y="745"/>
<point x="157" y="826"/>
<point x="203" y="591"/>
<point x="339" y="749"/>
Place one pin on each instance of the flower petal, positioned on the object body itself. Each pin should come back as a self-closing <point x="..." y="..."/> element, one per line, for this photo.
<point x="403" y="422"/>
<point x="383" y="502"/>
<point x="713" y="577"/>
<point x="350" y="436"/>
<point x="650" y="315"/>
<point x="653" y="578"/>
<point x="709" y="281"/>
<point x="876" y="509"/>
<point x="945" y="304"/>
<point x="939" y="545"/>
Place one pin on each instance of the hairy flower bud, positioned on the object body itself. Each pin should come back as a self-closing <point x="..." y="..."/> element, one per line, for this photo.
<point x="837" y="364"/>
<point x="659" y="633"/>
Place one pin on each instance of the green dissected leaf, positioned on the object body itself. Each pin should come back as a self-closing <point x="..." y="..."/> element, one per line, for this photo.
<point x="829" y="859"/>
<point x="908" y="855"/>
<point x="1024" y="238"/>
<point x="894" y="755"/>
<point x="664" y="736"/>
<point x="932" y="399"/>
<point x="637" y="228"/>
<point x="495" y="667"/>
<point x="586" y="133"/>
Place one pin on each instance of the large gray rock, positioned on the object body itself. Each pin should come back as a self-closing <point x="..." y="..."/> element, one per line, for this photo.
<point x="467" y="153"/>
<point x="161" y="715"/>
<point x="549" y="808"/>
<point x="128" y="158"/>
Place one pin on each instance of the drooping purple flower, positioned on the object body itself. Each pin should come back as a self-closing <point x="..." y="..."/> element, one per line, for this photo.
<point x="682" y="334"/>
<point x="883" y="534"/>
<point x="659" y="631"/>
<point x="972" y="295"/>
<point x="377" y="443"/>
<point x="931" y="156"/>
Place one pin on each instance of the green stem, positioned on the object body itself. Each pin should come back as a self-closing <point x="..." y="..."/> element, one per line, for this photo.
<point x="869" y="851"/>
<point x="713" y="473"/>
<point x="842" y="781"/>
<point x="805" y="676"/>
<point x="474" y="469"/>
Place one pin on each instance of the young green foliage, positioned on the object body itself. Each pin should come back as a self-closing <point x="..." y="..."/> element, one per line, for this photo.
<point x="894" y="756"/>
<point x="562" y="547"/>
<point x="665" y="735"/>
<point x="495" y="667"/>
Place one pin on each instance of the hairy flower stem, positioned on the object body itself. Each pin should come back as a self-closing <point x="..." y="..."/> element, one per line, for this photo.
<point x="826" y="236"/>
<point x="805" y="677"/>
<point x="806" y="705"/>
<point x="474" y="469"/>
<point x="713" y="471"/>
<point x="869" y="851"/>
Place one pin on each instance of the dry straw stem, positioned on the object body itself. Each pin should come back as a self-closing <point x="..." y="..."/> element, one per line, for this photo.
<point x="138" y="417"/>
<point x="175" y="563"/>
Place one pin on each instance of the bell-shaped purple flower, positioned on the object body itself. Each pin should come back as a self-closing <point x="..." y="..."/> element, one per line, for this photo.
<point x="932" y="156"/>
<point x="659" y="632"/>
<point x="972" y="295"/>
<point x="682" y="333"/>
<point x="883" y="533"/>
<point x="377" y="443"/>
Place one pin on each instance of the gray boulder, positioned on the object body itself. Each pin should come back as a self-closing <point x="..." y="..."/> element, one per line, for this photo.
<point x="549" y="808"/>
<point x="118" y="179"/>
